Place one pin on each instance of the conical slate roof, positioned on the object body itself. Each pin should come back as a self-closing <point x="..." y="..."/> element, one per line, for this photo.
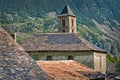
<point x="67" y="11"/>
<point x="15" y="63"/>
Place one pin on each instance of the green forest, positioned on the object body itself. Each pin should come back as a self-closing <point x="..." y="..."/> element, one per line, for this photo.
<point x="98" y="21"/>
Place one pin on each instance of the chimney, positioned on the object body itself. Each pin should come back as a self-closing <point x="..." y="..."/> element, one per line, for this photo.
<point x="13" y="36"/>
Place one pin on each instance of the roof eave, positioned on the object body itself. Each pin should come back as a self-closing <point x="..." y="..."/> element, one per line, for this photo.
<point x="66" y="15"/>
<point x="66" y="51"/>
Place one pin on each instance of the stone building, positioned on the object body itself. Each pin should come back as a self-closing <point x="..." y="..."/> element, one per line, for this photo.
<point x="15" y="63"/>
<point x="65" y="45"/>
<point x="67" y="21"/>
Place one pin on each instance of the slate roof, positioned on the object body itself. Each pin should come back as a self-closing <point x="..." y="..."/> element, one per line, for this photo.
<point x="67" y="11"/>
<point x="69" y="70"/>
<point x="15" y="63"/>
<point x="58" y="42"/>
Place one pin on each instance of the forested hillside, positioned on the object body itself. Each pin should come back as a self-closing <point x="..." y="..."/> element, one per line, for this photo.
<point x="97" y="20"/>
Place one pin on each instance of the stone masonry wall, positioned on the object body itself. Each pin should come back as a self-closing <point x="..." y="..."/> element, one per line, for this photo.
<point x="66" y="27"/>
<point x="90" y="59"/>
<point x="72" y="27"/>
<point x="81" y="57"/>
<point x="100" y="62"/>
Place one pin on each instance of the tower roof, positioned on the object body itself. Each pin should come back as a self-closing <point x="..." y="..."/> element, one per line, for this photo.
<point x="67" y="11"/>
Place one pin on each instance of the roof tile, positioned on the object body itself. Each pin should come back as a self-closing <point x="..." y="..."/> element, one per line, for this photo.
<point x="15" y="63"/>
<point x="69" y="70"/>
<point x="58" y="42"/>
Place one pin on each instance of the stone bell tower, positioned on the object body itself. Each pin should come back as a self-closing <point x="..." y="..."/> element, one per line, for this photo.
<point x="67" y="21"/>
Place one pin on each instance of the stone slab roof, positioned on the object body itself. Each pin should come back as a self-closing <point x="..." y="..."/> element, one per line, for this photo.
<point x="15" y="63"/>
<point x="67" y="11"/>
<point x="69" y="70"/>
<point x="58" y="42"/>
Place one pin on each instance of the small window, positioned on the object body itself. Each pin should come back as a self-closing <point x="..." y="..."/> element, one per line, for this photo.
<point x="63" y="22"/>
<point x="49" y="58"/>
<point x="70" y="57"/>
<point x="63" y="30"/>
<point x="72" y="22"/>
<point x="100" y="61"/>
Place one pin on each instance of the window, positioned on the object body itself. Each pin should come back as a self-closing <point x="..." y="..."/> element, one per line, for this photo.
<point x="63" y="22"/>
<point x="70" y="57"/>
<point x="100" y="57"/>
<point x="72" y="22"/>
<point x="72" y="31"/>
<point x="49" y="58"/>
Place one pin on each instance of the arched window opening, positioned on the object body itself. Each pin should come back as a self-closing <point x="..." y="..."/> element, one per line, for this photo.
<point x="72" y="22"/>
<point x="100" y="58"/>
<point x="72" y="31"/>
<point x="63" y="22"/>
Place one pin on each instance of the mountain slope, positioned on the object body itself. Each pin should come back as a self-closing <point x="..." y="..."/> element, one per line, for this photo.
<point x="97" y="20"/>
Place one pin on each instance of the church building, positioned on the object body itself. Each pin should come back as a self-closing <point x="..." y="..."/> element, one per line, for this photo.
<point x="65" y="45"/>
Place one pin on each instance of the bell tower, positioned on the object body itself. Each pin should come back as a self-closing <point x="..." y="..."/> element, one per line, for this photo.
<point x="66" y="21"/>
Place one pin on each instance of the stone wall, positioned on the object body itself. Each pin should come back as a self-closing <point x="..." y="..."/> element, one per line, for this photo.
<point x="81" y="57"/>
<point x="72" y="27"/>
<point x="111" y="68"/>
<point x="66" y="27"/>
<point x="100" y="62"/>
<point x="85" y="58"/>
<point x="68" y="24"/>
<point x="95" y="60"/>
